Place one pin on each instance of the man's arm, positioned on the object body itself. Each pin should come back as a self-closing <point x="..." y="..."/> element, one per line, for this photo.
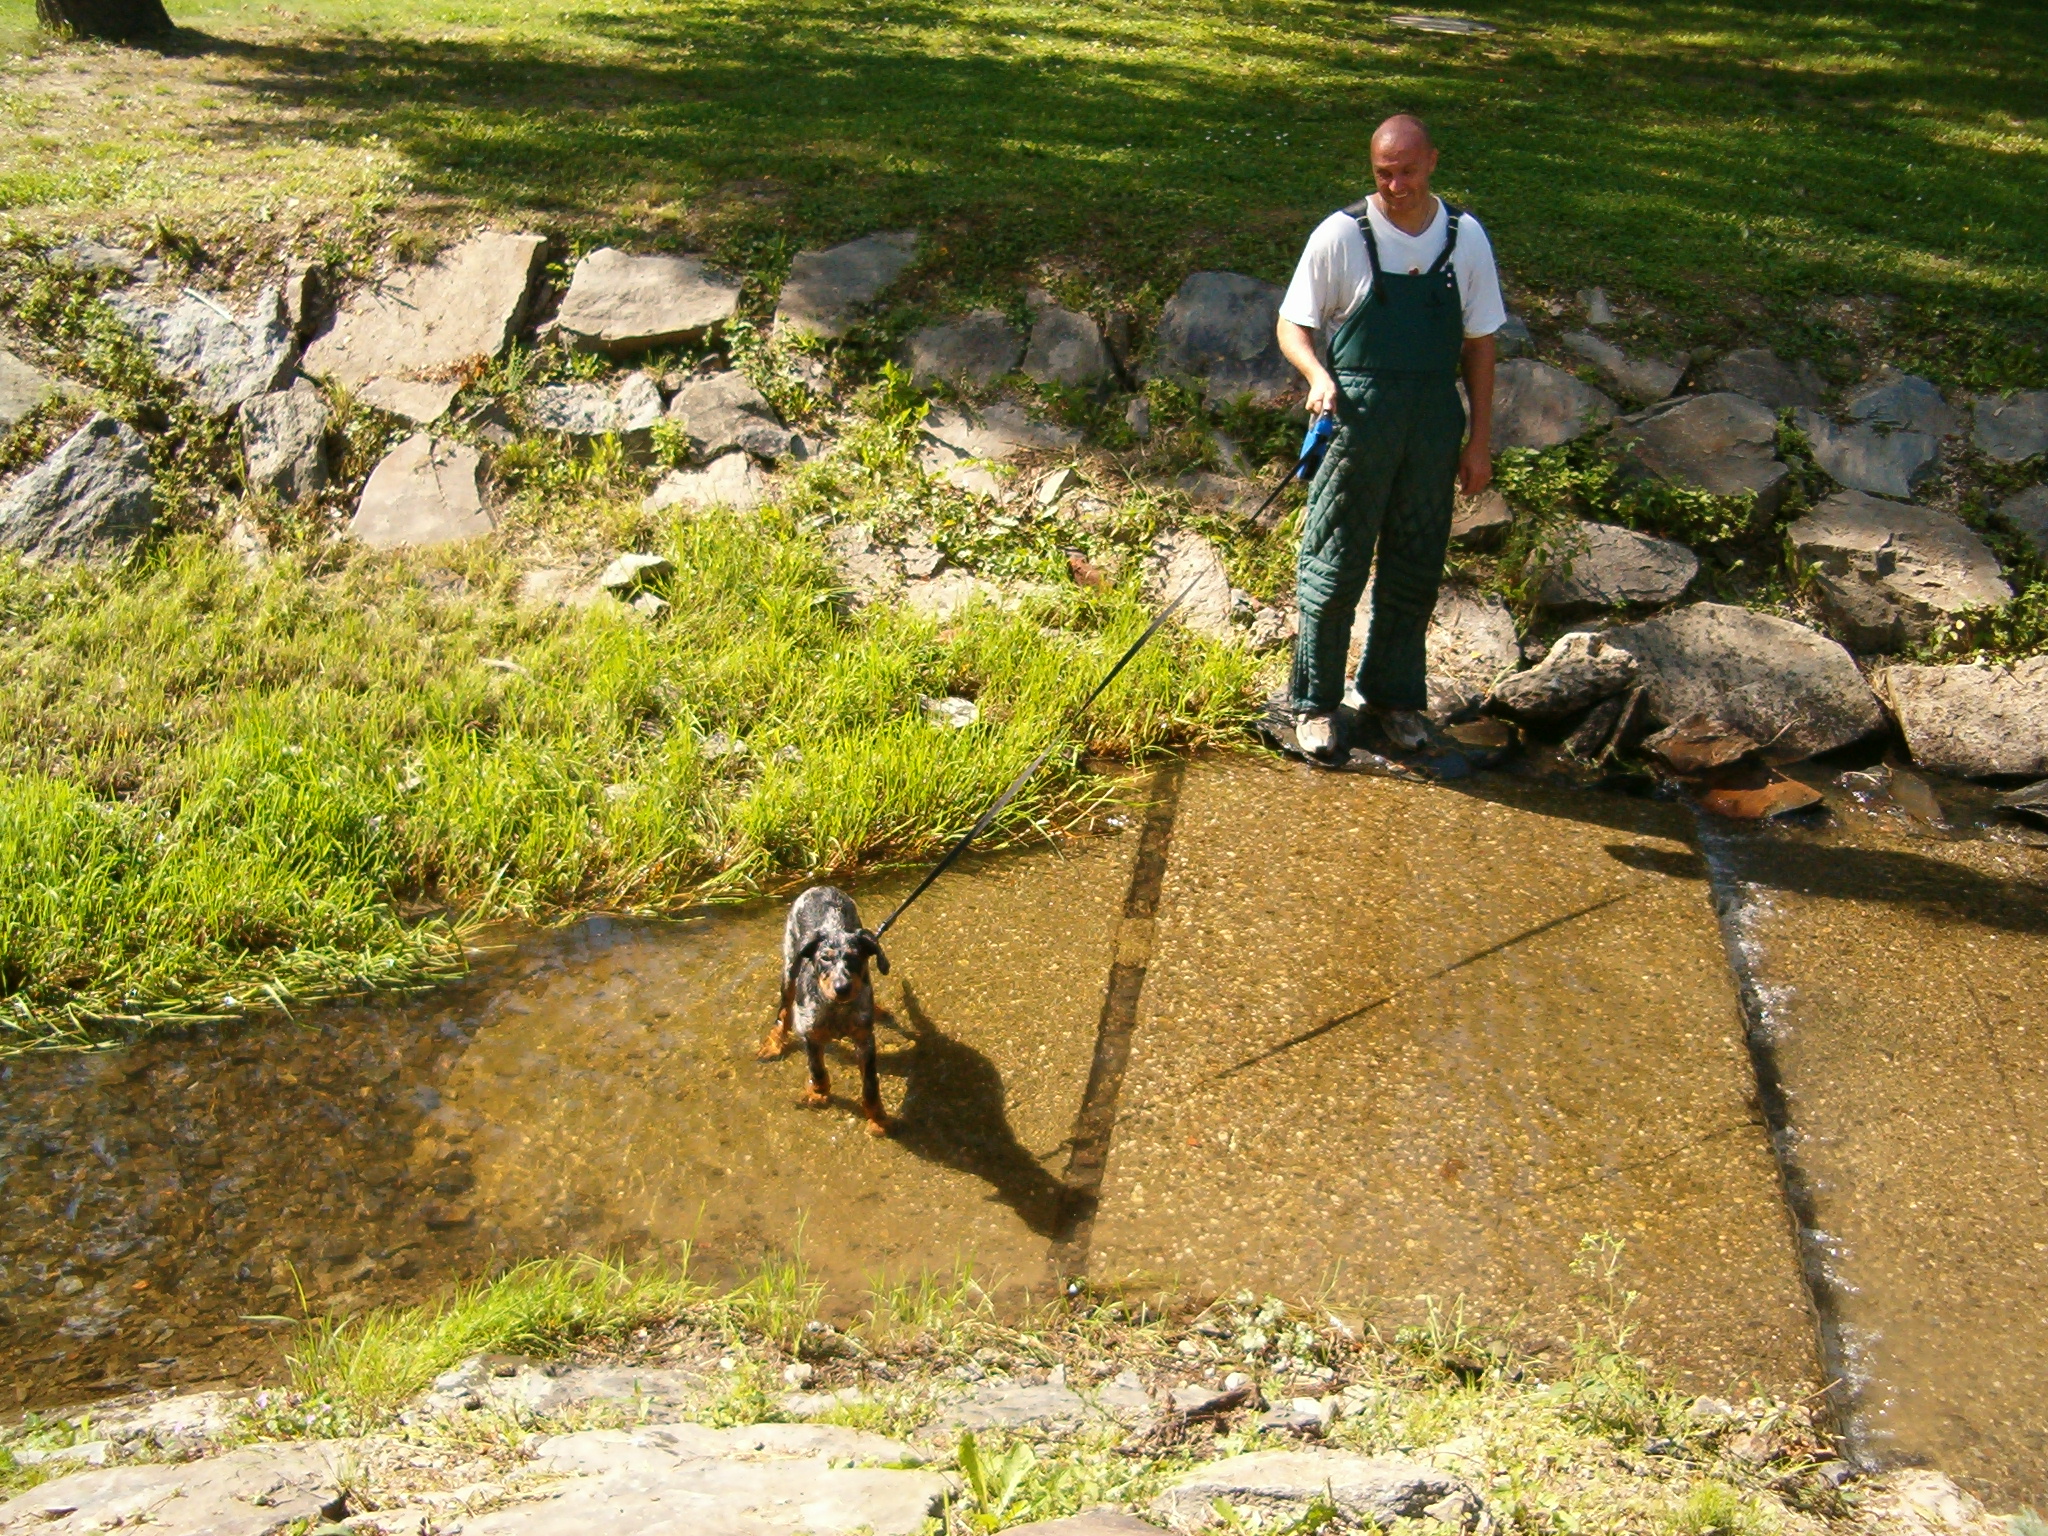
<point x="1298" y="346"/>
<point x="1475" y="469"/>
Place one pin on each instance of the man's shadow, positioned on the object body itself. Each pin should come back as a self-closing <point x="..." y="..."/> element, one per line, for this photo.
<point x="952" y="1114"/>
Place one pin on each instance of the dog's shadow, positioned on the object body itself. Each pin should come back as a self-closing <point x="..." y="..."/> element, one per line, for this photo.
<point x="952" y="1114"/>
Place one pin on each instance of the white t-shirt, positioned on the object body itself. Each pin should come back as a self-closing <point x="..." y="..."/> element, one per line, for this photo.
<point x="1334" y="276"/>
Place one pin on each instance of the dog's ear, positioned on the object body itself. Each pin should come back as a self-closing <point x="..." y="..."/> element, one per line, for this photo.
<point x="870" y="945"/>
<point x="810" y="949"/>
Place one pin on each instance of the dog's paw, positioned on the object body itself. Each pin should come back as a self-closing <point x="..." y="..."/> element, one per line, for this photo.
<point x="880" y="1125"/>
<point x="815" y="1098"/>
<point x="771" y="1050"/>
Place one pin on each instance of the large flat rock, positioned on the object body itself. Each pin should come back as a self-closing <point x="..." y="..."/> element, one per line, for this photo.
<point x="260" y="1491"/>
<point x="1641" y="379"/>
<point x="425" y="491"/>
<point x="730" y="480"/>
<point x="827" y="291"/>
<point x="466" y="303"/>
<point x="1725" y="444"/>
<point x="722" y="411"/>
<point x="1601" y="565"/>
<point x="1580" y="670"/>
<point x="957" y="445"/>
<point x="971" y="350"/>
<point x="1903" y="402"/>
<point x="1761" y="375"/>
<point x="222" y="360"/>
<point x="1870" y="458"/>
<point x="1218" y="335"/>
<point x="94" y="495"/>
<point x="22" y="389"/>
<point x="1280" y="1486"/>
<point x="1890" y="571"/>
<point x="619" y="303"/>
<point x="284" y="442"/>
<point x="1776" y="682"/>
<point x="1978" y="721"/>
<point x="1538" y="406"/>
<point x="2011" y="428"/>
<point x="627" y="410"/>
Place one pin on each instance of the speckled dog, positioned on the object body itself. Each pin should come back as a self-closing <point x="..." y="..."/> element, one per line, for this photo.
<point x="826" y="994"/>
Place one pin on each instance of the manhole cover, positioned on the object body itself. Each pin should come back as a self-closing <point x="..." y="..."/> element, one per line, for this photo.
<point x="1441" y="24"/>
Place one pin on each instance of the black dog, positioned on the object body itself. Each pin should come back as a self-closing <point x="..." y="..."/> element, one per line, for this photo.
<point x="826" y="994"/>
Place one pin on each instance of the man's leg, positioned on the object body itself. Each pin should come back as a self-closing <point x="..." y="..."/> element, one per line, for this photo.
<point x="1337" y="532"/>
<point x="1414" y="532"/>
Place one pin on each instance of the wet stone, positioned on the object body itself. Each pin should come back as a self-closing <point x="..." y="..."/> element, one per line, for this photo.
<point x="425" y="491"/>
<point x="284" y="442"/>
<point x="2012" y="428"/>
<point x="1641" y="379"/>
<point x="827" y="290"/>
<point x="1903" y="402"/>
<point x="1217" y="334"/>
<point x="1868" y="458"/>
<point x="1538" y="406"/>
<point x="972" y="351"/>
<point x="1975" y="721"/>
<point x="22" y="389"/>
<point x="94" y="495"/>
<point x="223" y="360"/>
<point x="621" y="304"/>
<point x="1759" y="374"/>
<point x="1890" y="571"/>
<point x="1066" y="348"/>
<point x="464" y="304"/>
<point x="1600" y="565"/>
<point x="731" y="480"/>
<point x="1724" y="444"/>
<point x="1580" y="671"/>
<point x="722" y="411"/>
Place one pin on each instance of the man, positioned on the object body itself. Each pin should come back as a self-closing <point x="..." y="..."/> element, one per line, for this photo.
<point x="1401" y="291"/>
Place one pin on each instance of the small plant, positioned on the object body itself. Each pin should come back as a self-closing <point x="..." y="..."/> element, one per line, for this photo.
<point x="1715" y="1509"/>
<point x="992" y="1482"/>
<point x="671" y="443"/>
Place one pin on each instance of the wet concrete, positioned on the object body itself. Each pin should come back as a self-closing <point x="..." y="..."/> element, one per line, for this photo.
<point x="1899" y="985"/>
<point x="1399" y="1039"/>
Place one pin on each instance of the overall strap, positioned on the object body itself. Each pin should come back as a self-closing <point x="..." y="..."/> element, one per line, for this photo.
<point x="1360" y="212"/>
<point x="1452" y="214"/>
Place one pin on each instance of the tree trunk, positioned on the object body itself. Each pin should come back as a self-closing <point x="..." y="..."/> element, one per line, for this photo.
<point x="114" y="20"/>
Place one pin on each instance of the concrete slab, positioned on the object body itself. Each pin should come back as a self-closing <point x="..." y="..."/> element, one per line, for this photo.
<point x="1399" y="1039"/>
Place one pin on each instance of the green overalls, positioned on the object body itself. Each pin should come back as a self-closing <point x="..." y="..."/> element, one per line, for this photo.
<point x="1387" y="484"/>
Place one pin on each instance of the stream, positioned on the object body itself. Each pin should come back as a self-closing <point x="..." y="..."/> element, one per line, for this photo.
<point x="1388" y="1044"/>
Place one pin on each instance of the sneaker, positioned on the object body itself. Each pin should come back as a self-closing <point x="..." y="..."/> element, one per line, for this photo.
<point x="1316" y="735"/>
<point x="1407" y="729"/>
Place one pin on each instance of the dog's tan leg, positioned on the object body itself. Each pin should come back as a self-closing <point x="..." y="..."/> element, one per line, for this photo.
<point x="871" y="1088"/>
<point x="776" y="1046"/>
<point x="821" y="1086"/>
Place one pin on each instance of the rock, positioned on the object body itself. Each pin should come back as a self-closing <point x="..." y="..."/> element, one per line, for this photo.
<point x="1723" y="444"/>
<point x="722" y="411"/>
<point x="515" y="1385"/>
<point x="1903" y="403"/>
<point x="2028" y="514"/>
<point x="1590" y="737"/>
<point x="22" y="389"/>
<point x="1138" y="417"/>
<point x="465" y="304"/>
<point x="257" y="1491"/>
<point x="1865" y="458"/>
<point x="1796" y="692"/>
<point x="732" y="480"/>
<point x="1066" y="348"/>
<point x="628" y="410"/>
<point x="1001" y="1405"/>
<point x="1205" y="488"/>
<point x="1179" y="561"/>
<point x="307" y="299"/>
<point x="556" y="587"/>
<point x="827" y="290"/>
<point x="1090" y="1522"/>
<point x="1889" y="571"/>
<point x="2012" y="428"/>
<point x="958" y="446"/>
<point x="951" y="712"/>
<point x="1471" y="638"/>
<point x="420" y="401"/>
<point x="631" y="571"/>
<point x="2028" y="800"/>
<point x="921" y="558"/>
<point x="870" y="570"/>
<point x="1700" y="744"/>
<point x="1916" y="1501"/>
<point x="1641" y="379"/>
<point x="222" y="358"/>
<point x="1477" y="521"/>
<point x="971" y="352"/>
<point x="1538" y="406"/>
<point x="946" y="594"/>
<point x="1598" y="311"/>
<point x="1218" y="334"/>
<point x="94" y="495"/>
<point x="1513" y="338"/>
<point x="621" y="304"/>
<point x="1599" y="565"/>
<point x="83" y="255"/>
<point x="1759" y="374"/>
<point x="1977" y="721"/>
<point x="284" y="442"/>
<point x="684" y="1477"/>
<point x="425" y="491"/>
<point x="1059" y="483"/>
<point x="1580" y="671"/>
<point x="1197" y="1401"/>
<point x="1281" y="1485"/>
<point x="180" y="1419"/>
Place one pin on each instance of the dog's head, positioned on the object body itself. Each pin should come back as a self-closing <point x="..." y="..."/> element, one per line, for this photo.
<point x="842" y="961"/>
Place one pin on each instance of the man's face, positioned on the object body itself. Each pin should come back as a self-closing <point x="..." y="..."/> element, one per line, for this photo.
<point x="1401" y="166"/>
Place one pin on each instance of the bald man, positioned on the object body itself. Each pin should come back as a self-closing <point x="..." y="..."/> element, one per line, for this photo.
<point x="1394" y="298"/>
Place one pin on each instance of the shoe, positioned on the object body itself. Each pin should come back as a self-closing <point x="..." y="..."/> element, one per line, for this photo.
<point x="1407" y="729"/>
<point x="1316" y="735"/>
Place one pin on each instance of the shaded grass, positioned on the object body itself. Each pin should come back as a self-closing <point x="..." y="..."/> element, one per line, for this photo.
<point x="227" y="788"/>
<point x="1724" y="163"/>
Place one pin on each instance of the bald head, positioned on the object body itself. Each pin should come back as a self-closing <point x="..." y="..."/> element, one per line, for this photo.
<point x="1403" y="160"/>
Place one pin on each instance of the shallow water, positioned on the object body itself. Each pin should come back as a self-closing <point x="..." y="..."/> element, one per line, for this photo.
<point x="1318" y="1035"/>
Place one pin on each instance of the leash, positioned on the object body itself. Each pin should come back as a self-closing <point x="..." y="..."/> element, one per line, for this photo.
<point x="987" y="817"/>
<point x="1314" y="445"/>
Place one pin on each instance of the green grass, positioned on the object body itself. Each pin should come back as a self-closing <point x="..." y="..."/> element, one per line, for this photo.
<point x="1733" y="163"/>
<point x="226" y="788"/>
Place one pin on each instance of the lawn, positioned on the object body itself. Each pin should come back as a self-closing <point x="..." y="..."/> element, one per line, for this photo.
<point x="1733" y="165"/>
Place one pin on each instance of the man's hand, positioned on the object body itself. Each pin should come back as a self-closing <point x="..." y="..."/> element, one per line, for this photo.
<point x="1322" y="394"/>
<point x="1298" y="346"/>
<point x="1475" y="468"/>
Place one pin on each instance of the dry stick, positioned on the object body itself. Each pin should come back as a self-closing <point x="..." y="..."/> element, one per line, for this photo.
<point x="987" y="817"/>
